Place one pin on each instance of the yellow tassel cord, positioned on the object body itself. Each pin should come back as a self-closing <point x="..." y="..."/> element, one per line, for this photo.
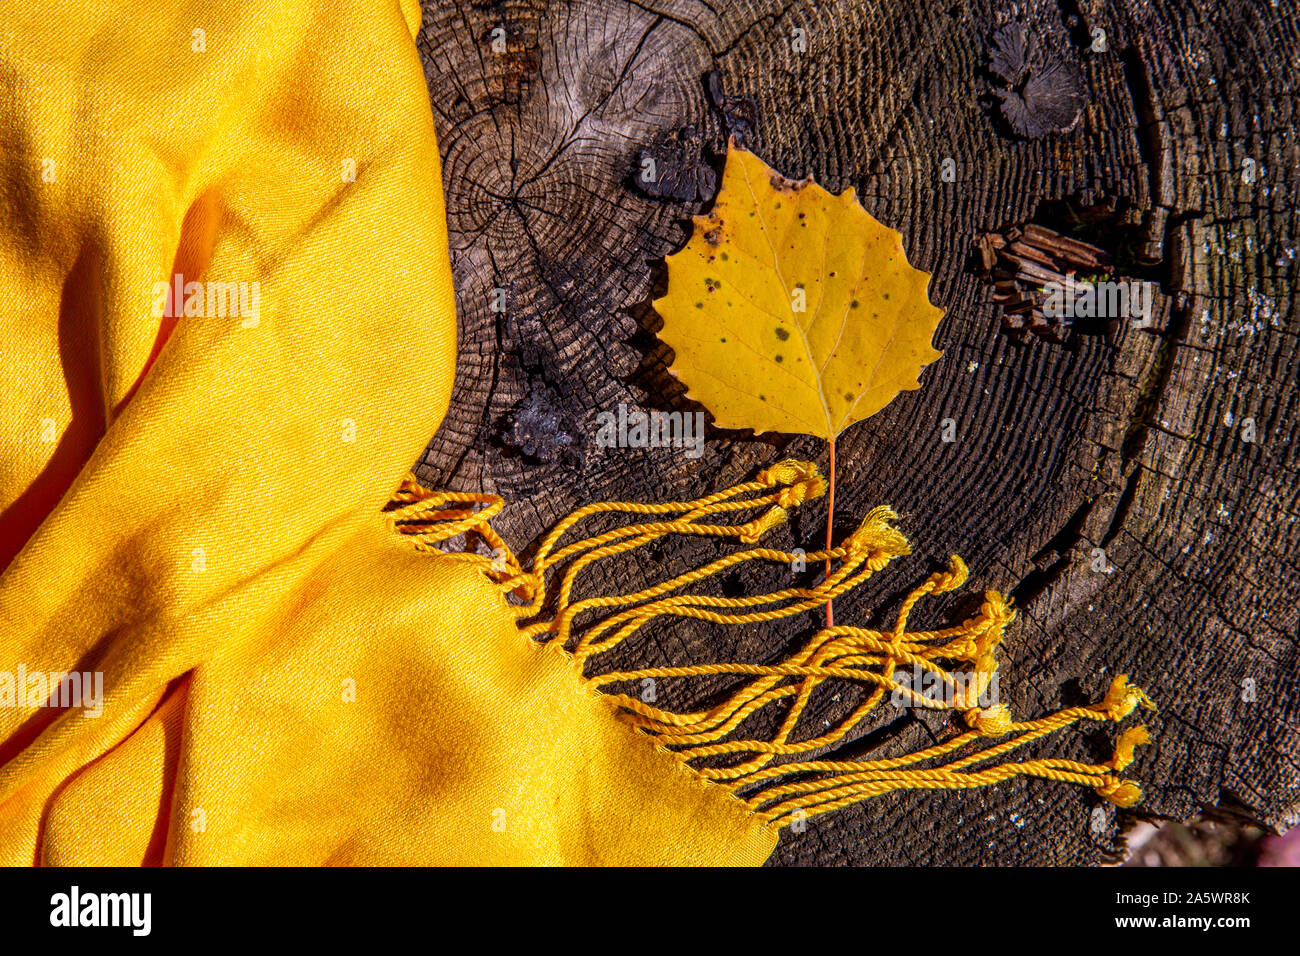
<point x="767" y="774"/>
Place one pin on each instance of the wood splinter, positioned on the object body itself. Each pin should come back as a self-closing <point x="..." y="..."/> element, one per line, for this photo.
<point x="1022" y="261"/>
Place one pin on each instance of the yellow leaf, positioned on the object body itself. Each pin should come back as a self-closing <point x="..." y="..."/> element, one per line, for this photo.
<point x="794" y="310"/>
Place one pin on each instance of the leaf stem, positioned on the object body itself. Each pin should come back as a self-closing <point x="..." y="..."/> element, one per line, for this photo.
<point x="830" y="530"/>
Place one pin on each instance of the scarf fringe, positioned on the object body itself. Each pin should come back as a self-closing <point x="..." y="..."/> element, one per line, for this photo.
<point x="767" y="775"/>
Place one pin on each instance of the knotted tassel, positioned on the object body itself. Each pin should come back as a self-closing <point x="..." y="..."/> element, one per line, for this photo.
<point x="767" y="773"/>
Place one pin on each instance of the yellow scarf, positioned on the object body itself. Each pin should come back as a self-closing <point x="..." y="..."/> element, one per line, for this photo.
<point x="228" y="328"/>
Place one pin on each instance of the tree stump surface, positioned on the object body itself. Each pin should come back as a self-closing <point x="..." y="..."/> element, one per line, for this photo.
<point x="1129" y="440"/>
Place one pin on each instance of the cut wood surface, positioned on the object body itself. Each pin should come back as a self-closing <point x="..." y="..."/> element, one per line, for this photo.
<point x="1165" y="454"/>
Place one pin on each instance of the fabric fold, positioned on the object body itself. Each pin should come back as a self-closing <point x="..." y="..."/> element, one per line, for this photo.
<point x="228" y="329"/>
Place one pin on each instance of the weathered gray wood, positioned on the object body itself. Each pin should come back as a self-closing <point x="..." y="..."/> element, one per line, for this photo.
<point x="1131" y="443"/>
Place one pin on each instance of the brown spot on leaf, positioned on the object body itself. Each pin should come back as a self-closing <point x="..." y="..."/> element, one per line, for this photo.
<point x="789" y="186"/>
